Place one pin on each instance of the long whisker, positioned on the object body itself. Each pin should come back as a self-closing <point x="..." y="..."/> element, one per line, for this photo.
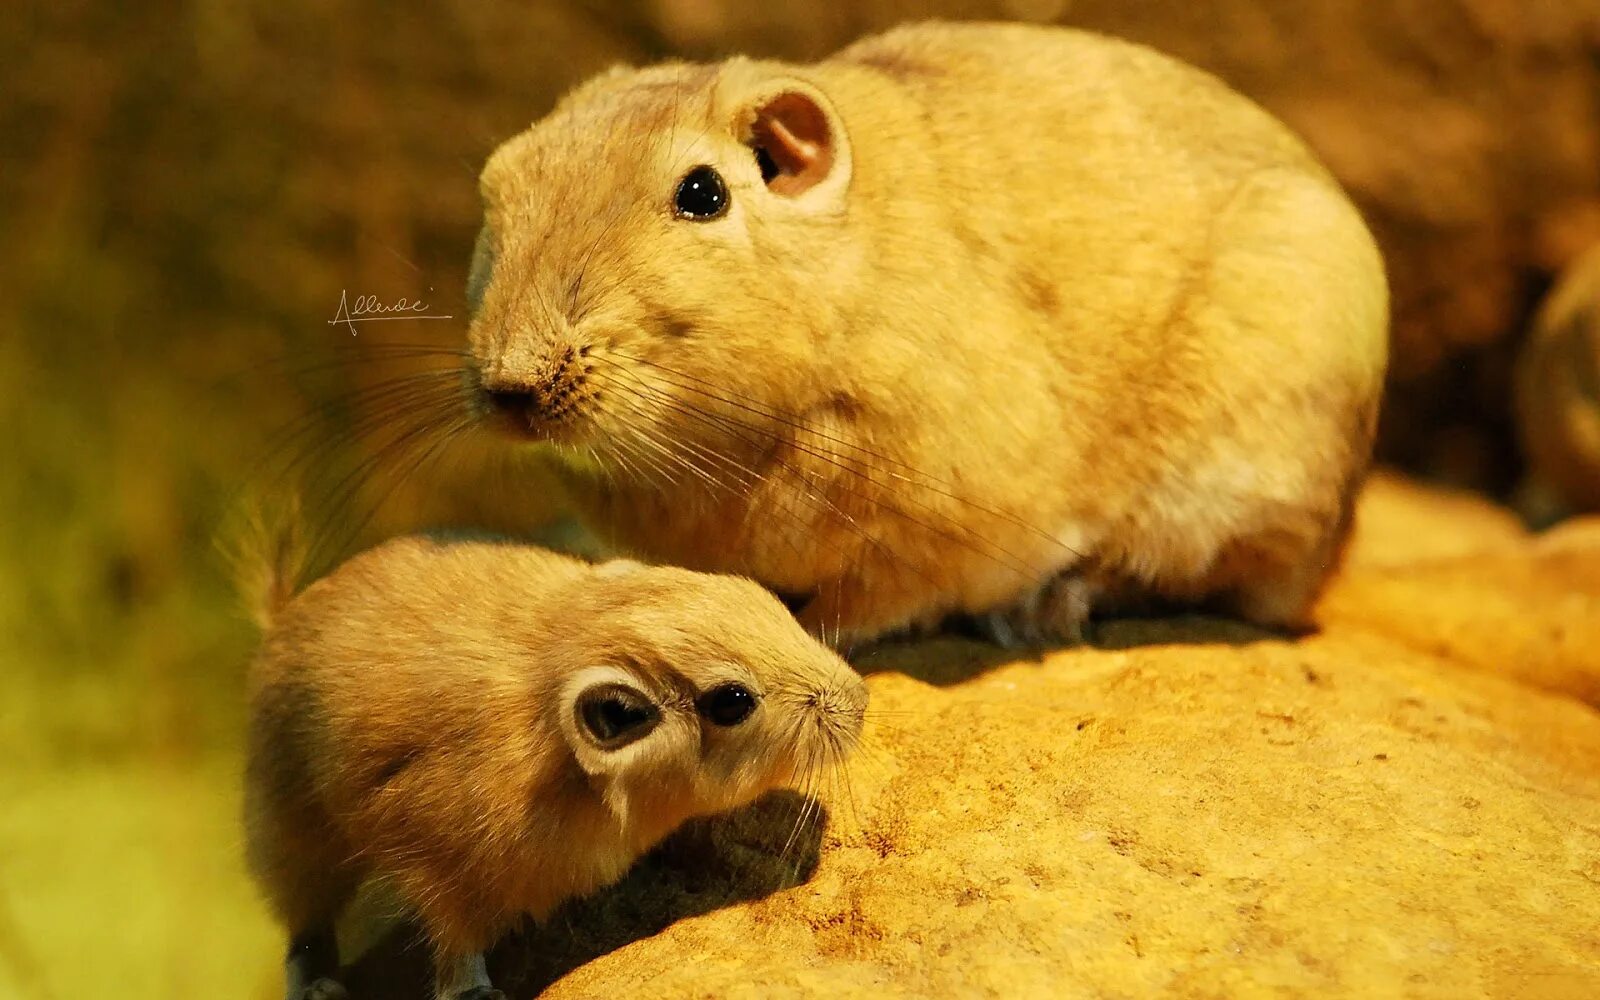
<point x="815" y="499"/>
<point x="413" y="416"/>
<point x="335" y="357"/>
<point x="752" y="405"/>
<point x="337" y="500"/>
<point x="384" y="416"/>
<point x="372" y="400"/>
<point x="437" y="441"/>
<point x="969" y="539"/>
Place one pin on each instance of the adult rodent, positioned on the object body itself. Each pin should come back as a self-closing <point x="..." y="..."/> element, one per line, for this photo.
<point x="1011" y="321"/>
<point x="493" y="728"/>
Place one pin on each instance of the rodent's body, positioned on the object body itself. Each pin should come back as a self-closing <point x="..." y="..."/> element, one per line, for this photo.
<point x="1074" y="312"/>
<point x="412" y="717"/>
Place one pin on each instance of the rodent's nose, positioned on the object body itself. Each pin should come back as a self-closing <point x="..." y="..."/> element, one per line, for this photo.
<point x="512" y="402"/>
<point x="846" y="699"/>
<point x="539" y="399"/>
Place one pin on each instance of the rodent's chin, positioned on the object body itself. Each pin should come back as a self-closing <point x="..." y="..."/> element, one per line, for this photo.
<point x="568" y="432"/>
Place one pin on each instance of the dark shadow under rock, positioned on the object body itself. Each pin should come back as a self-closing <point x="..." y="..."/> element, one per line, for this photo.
<point x="710" y="863"/>
<point x="956" y="656"/>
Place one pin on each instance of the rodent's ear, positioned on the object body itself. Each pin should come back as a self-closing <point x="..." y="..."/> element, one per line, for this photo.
<point x="610" y="720"/>
<point x="791" y="126"/>
<point x="612" y="714"/>
<point x="795" y="143"/>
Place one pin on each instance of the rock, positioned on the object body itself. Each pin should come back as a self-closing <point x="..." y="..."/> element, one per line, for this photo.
<point x="1389" y="806"/>
<point x="1452" y="577"/>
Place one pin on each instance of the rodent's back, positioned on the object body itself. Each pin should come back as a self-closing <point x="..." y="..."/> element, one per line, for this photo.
<point x="408" y="595"/>
<point x="1122" y="95"/>
<point x="1045" y="127"/>
<point x="1086" y="173"/>
<point x="1213" y="303"/>
<point x="404" y="641"/>
<point x="384" y="690"/>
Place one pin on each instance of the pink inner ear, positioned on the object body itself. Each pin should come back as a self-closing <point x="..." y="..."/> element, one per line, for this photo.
<point x="793" y="131"/>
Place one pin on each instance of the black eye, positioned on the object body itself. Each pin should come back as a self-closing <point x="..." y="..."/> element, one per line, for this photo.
<point x="616" y="715"/>
<point x="701" y="195"/>
<point x="726" y="704"/>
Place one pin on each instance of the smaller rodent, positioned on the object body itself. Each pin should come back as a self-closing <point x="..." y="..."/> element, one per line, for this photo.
<point x="493" y="728"/>
<point x="1558" y="397"/>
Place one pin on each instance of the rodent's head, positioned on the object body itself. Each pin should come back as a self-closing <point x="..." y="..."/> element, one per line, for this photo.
<point x="661" y="232"/>
<point x="686" y="693"/>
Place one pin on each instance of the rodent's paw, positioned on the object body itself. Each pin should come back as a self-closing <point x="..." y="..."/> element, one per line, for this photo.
<point x="324" y="989"/>
<point x="1055" y="613"/>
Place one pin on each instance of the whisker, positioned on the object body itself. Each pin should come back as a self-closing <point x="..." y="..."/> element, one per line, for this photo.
<point x="747" y="477"/>
<point x="969" y="538"/>
<point x="375" y="402"/>
<point x="336" y="501"/>
<point x="822" y="505"/>
<point x="751" y="404"/>
<point x="834" y="509"/>
<point x="344" y="356"/>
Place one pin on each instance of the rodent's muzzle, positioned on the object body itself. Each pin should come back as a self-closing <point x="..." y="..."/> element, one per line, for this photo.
<point x="536" y="405"/>
<point x="839" y="709"/>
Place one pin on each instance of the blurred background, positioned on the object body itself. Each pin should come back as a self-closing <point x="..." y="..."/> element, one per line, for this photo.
<point x="187" y="188"/>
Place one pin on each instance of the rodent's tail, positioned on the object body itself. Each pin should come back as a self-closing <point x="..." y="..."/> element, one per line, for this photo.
<point x="266" y="554"/>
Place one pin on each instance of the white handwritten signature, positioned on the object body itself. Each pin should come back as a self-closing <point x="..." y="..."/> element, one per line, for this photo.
<point x="367" y="309"/>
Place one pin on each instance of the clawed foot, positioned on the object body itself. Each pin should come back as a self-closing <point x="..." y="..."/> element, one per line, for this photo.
<point x="1055" y="614"/>
<point x="324" y="989"/>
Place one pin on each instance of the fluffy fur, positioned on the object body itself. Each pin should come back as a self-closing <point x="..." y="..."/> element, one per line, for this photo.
<point x="413" y="717"/>
<point x="1059" y="323"/>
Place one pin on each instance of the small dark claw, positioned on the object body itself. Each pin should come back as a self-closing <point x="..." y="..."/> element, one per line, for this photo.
<point x="324" y="989"/>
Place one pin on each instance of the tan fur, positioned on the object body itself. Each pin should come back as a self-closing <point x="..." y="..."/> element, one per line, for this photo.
<point x="412" y="717"/>
<point x="1063" y="305"/>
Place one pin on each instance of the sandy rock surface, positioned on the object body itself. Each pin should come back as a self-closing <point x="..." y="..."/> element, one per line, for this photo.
<point x="1378" y="809"/>
<point x="1406" y="803"/>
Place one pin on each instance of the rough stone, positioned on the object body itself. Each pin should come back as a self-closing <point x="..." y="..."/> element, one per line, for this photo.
<point x="1405" y="802"/>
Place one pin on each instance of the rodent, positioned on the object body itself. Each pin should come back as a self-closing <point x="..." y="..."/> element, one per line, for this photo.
<point x="1010" y="321"/>
<point x="1557" y="395"/>
<point x="494" y="728"/>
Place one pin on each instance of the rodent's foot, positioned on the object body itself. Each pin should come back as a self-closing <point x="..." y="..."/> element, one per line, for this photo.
<point x="1055" y="613"/>
<point x="324" y="989"/>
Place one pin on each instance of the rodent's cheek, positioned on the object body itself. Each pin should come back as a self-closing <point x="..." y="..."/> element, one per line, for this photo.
<point x="486" y="324"/>
<point x="739" y="769"/>
<point x="484" y="252"/>
<point x="718" y="238"/>
<point x="779" y="766"/>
